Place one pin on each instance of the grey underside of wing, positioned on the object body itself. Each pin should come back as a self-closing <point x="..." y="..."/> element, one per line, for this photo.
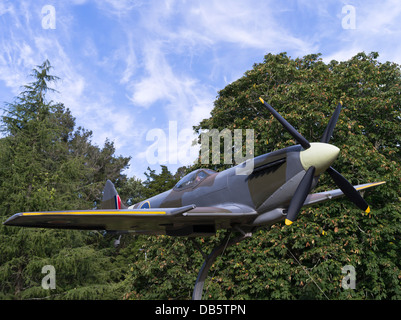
<point x="322" y="196"/>
<point x="332" y="194"/>
<point x="150" y="221"/>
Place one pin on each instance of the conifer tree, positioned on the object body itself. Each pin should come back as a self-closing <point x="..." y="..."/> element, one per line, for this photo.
<point x="46" y="165"/>
<point x="158" y="183"/>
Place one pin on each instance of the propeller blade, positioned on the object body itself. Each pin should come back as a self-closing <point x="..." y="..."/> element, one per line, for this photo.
<point x="348" y="190"/>
<point x="300" y="195"/>
<point x="302" y="141"/>
<point x="328" y="132"/>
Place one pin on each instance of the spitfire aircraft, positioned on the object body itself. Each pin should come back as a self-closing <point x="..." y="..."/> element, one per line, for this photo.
<point x="204" y="200"/>
<point x="276" y="188"/>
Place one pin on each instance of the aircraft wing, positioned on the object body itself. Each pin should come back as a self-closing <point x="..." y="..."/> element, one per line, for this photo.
<point x="186" y="219"/>
<point x="332" y="194"/>
<point x="180" y="221"/>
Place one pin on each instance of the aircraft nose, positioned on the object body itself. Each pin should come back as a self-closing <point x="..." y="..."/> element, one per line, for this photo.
<point x="320" y="155"/>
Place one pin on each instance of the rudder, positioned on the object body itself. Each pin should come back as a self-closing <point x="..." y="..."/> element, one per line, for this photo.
<point x="111" y="199"/>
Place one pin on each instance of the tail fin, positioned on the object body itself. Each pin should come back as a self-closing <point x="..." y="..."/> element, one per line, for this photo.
<point x="111" y="199"/>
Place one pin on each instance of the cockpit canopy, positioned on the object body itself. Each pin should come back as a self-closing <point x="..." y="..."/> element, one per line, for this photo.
<point x="193" y="178"/>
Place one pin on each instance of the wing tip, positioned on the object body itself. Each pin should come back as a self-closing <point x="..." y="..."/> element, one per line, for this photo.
<point x="9" y="221"/>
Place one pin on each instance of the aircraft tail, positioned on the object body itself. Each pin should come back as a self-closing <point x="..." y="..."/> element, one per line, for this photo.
<point x="111" y="199"/>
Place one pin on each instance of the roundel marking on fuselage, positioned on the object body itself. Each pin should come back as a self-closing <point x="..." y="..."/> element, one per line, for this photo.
<point x="145" y="205"/>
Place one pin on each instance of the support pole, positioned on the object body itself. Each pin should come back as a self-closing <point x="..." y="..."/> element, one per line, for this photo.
<point x="200" y="281"/>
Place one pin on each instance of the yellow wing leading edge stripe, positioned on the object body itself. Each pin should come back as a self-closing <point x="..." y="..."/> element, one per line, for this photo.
<point x="53" y="213"/>
<point x="370" y="185"/>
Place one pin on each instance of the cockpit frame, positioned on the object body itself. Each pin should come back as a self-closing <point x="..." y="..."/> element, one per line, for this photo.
<point x="192" y="179"/>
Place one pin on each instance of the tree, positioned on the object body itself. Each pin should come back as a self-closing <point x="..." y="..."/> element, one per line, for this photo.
<point x="131" y="191"/>
<point x="158" y="183"/>
<point x="45" y="165"/>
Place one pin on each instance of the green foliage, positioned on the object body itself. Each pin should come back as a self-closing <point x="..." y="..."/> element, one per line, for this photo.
<point x="131" y="191"/>
<point x="162" y="265"/>
<point x="158" y="183"/>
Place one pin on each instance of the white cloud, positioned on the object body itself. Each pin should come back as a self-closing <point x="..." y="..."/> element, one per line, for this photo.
<point x="130" y="61"/>
<point x="197" y="29"/>
<point x="118" y="7"/>
<point x="376" y="29"/>
<point x="78" y="2"/>
<point x="245" y="24"/>
<point x="5" y="7"/>
<point x="379" y="17"/>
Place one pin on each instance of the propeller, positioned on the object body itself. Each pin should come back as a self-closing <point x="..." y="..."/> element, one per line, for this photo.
<point x="297" y="136"/>
<point x="300" y="195"/>
<point x="328" y="132"/>
<point x="305" y="185"/>
<point x="348" y="189"/>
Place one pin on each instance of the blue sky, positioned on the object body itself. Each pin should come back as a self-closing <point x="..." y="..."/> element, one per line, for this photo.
<point x="128" y="68"/>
